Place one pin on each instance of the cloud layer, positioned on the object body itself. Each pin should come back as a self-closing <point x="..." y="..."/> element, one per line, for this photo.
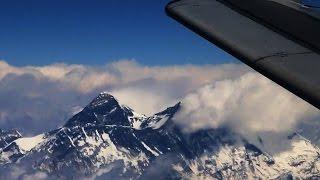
<point x="37" y="99"/>
<point x="251" y="105"/>
<point x="248" y="103"/>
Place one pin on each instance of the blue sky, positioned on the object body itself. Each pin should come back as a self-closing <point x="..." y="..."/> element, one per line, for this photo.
<point x="40" y="32"/>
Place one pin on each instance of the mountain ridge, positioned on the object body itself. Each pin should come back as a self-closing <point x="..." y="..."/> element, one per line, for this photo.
<point x="106" y="136"/>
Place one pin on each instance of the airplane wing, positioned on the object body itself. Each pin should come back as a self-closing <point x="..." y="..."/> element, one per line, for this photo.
<point x="278" y="38"/>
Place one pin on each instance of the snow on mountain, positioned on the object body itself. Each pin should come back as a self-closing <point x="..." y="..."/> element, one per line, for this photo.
<point x="6" y="137"/>
<point x="26" y="144"/>
<point x="109" y="140"/>
<point x="19" y="147"/>
<point x="247" y="162"/>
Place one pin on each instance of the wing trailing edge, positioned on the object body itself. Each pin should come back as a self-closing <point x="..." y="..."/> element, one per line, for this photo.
<point x="279" y="39"/>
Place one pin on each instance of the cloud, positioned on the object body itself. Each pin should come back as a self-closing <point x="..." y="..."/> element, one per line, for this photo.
<point x="37" y="99"/>
<point x="251" y="105"/>
<point x="40" y="98"/>
<point x="22" y="171"/>
<point x="35" y="176"/>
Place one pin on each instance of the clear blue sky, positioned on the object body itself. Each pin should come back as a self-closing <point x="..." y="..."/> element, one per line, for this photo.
<point x="39" y="32"/>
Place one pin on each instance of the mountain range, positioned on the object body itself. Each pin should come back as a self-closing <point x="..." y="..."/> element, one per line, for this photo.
<point x="107" y="140"/>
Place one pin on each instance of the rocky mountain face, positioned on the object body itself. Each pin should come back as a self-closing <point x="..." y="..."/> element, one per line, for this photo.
<point x="6" y="137"/>
<point x="109" y="140"/>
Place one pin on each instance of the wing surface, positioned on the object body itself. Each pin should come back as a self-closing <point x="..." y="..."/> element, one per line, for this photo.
<point x="278" y="38"/>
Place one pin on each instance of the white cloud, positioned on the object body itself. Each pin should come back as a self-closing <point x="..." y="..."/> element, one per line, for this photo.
<point x="250" y="104"/>
<point x="37" y="99"/>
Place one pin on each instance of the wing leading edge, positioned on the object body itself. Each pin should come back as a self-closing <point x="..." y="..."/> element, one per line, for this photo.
<point x="279" y="39"/>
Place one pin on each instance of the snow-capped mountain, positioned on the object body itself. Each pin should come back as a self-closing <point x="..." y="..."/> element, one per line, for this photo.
<point x="109" y="140"/>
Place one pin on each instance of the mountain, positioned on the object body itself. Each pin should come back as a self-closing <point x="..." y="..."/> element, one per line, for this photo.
<point x="110" y="140"/>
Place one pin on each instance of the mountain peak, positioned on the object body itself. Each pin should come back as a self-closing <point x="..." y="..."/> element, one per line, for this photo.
<point x="102" y="110"/>
<point x="106" y="110"/>
<point x="171" y="110"/>
<point x="103" y="99"/>
<point x="105" y="94"/>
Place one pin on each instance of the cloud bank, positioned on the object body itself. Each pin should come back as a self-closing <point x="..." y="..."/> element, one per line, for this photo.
<point x="248" y="103"/>
<point x="36" y="99"/>
<point x="39" y="99"/>
<point x="264" y="113"/>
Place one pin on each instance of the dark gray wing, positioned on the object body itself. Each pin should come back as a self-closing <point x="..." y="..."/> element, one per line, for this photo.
<point x="280" y="39"/>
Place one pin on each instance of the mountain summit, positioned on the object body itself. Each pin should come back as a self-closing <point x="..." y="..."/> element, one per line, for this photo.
<point x="103" y="110"/>
<point x="110" y="140"/>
